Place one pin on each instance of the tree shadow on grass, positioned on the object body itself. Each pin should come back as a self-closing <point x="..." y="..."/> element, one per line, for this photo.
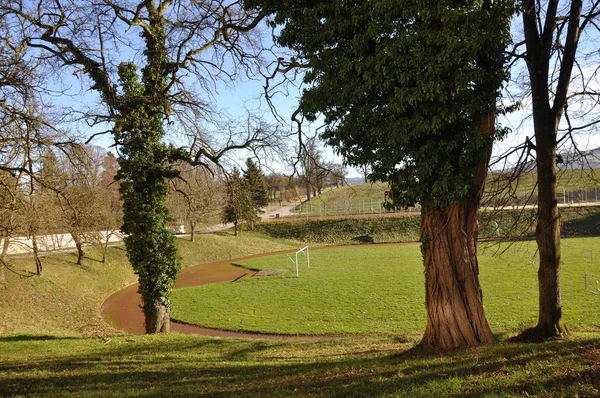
<point x="225" y="368"/>
<point x="26" y="337"/>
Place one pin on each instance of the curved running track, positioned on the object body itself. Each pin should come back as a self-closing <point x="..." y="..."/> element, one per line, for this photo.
<point x="122" y="310"/>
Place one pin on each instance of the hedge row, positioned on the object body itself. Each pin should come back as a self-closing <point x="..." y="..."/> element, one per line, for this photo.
<point x="511" y="224"/>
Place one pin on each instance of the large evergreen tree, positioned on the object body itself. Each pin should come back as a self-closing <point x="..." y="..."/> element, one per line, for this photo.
<point x="409" y="88"/>
<point x="239" y="207"/>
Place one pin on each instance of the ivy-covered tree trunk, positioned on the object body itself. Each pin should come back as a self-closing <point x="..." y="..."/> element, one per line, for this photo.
<point x="145" y="166"/>
<point x="453" y="297"/>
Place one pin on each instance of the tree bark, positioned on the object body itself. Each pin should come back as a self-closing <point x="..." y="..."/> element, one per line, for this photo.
<point x="192" y="232"/>
<point x="36" y="255"/>
<point x="455" y="315"/>
<point x="539" y="41"/>
<point x="156" y="317"/>
<point x="453" y="297"/>
<point x="550" y="321"/>
<point x="5" y="244"/>
<point x="79" y="246"/>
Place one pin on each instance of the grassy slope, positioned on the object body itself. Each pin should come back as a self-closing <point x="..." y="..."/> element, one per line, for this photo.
<point x="568" y="180"/>
<point x="66" y="299"/>
<point x="371" y="289"/>
<point x="359" y="197"/>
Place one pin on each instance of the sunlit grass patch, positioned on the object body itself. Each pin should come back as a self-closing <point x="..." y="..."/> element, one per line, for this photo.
<point x="380" y="289"/>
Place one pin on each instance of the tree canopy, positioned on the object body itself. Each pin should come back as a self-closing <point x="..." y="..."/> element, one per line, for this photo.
<point x="409" y="88"/>
<point x="401" y="85"/>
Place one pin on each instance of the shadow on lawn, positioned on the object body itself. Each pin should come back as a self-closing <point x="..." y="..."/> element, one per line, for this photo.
<point x="25" y="337"/>
<point x="225" y="368"/>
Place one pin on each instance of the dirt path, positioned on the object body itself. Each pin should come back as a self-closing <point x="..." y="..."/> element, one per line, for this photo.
<point x="122" y="309"/>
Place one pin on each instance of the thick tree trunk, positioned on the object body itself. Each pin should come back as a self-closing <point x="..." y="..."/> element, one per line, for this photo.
<point x="157" y="318"/>
<point x="454" y="301"/>
<point x="455" y="316"/>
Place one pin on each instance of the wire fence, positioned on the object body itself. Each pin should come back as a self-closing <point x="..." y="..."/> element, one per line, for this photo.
<point x="349" y="207"/>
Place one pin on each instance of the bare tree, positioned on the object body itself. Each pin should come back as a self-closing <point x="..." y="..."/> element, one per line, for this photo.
<point x="80" y="197"/>
<point x="184" y="48"/>
<point x="560" y="82"/>
<point x="196" y="197"/>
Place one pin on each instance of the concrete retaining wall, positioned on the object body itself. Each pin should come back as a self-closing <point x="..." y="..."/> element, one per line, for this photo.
<point x="24" y="244"/>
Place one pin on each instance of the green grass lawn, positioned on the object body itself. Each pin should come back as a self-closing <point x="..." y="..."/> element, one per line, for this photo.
<point x="367" y="366"/>
<point x="380" y="289"/>
<point x="42" y="353"/>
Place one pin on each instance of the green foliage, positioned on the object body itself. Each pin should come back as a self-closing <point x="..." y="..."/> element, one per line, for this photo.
<point x="256" y="184"/>
<point x="402" y="86"/>
<point x="240" y="207"/>
<point x="145" y="165"/>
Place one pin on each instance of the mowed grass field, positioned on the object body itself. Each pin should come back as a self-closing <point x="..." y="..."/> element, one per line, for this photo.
<point x="45" y="353"/>
<point x="380" y="289"/>
<point x="367" y="366"/>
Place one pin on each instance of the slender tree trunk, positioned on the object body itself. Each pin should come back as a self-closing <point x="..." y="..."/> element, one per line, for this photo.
<point x="454" y="301"/>
<point x="550" y="321"/>
<point x="5" y="245"/>
<point x="105" y="245"/>
<point x="307" y="191"/>
<point x="235" y="229"/>
<point x="192" y="232"/>
<point x="36" y="255"/>
<point x="539" y="39"/>
<point x="79" y="245"/>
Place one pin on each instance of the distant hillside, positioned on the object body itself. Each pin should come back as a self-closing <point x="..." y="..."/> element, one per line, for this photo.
<point x="574" y="160"/>
<point x="587" y="159"/>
